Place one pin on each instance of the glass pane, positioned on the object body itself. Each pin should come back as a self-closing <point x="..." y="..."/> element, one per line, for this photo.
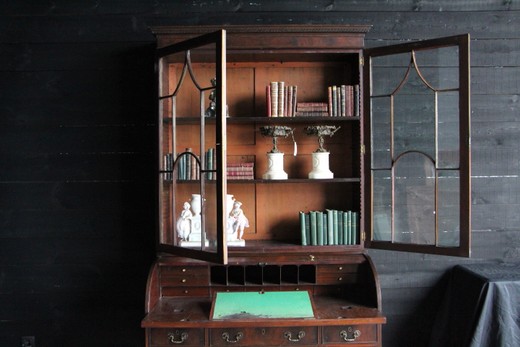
<point x="449" y="208"/>
<point x="382" y="205"/>
<point x="380" y="129"/>
<point x="439" y="67"/>
<point x="448" y="130"/>
<point x="388" y="71"/>
<point x="414" y="117"/>
<point x="414" y="200"/>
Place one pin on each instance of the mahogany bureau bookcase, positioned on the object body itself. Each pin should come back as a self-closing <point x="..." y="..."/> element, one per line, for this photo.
<point x="232" y="99"/>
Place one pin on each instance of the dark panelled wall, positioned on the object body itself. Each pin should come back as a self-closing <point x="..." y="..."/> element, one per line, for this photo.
<point x="77" y="132"/>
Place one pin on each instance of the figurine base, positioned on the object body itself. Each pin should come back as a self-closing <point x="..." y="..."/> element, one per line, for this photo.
<point x="275" y="176"/>
<point x="320" y="166"/>
<point x="275" y="164"/>
<point x="193" y="244"/>
<point x="237" y="243"/>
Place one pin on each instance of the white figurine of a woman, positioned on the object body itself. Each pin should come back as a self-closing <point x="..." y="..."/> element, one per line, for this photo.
<point x="184" y="222"/>
<point x="240" y="221"/>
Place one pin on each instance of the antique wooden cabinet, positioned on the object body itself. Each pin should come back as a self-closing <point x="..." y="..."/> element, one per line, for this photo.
<point x="284" y="125"/>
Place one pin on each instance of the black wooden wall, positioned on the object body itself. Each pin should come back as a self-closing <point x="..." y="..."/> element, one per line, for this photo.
<point x="77" y="139"/>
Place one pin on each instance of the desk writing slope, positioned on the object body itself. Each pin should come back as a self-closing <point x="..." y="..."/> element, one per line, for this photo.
<point x="244" y="305"/>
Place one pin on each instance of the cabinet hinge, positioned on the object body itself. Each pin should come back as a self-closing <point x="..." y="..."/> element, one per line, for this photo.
<point x="361" y="61"/>
<point x="362" y="149"/>
<point x="363" y="236"/>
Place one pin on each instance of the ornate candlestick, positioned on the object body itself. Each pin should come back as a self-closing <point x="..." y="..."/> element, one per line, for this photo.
<point x="211" y="111"/>
<point x="274" y="156"/>
<point x="320" y="157"/>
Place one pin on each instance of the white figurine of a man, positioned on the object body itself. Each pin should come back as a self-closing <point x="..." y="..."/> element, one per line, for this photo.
<point x="184" y="222"/>
<point x="240" y="221"/>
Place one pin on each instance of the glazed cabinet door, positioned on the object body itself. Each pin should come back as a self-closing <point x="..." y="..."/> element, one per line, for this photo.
<point x="417" y="140"/>
<point x="192" y="147"/>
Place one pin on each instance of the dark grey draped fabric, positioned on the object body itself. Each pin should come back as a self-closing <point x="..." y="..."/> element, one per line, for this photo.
<point x="481" y="307"/>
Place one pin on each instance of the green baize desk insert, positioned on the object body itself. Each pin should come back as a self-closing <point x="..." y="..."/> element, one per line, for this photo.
<point x="252" y="305"/>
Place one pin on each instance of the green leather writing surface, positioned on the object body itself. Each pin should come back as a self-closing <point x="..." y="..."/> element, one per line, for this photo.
<point x="244" y="305"/>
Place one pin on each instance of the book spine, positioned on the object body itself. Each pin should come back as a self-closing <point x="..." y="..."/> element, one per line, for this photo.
<point x="355" y="228"/>
<point x="349" y="227"/>
<point x="302" y="229"/>
<point x="319" y="226"/>
<point x="281" y="99"/>
<point x="334" y="101"/>
<point x="336" y="225"/>
<point x="330" y="227"/>
<point x="350" y="101"/>
<point x="340" y="228"/>
<point x="181" y="167"/>
<point x="285" y="100"/>
<point x="194" y="167"/>
<point x="325" y="229"/>
<point x="187" y="164"/>
<point x="244" y="177"/>
<point x="345" y="228"/>
<point x="211" y="165"/>
<point x="356" y="101"/>
<point x="288" y="101"/>
<point x="314" y="230"/>
<point x="329" y="95"/>
<point x="274" y="99"/>
<point x="294" y="99"/>
<point x="343" y="100"/>
<point x="308" y="228"/>
<point x="268" y="99"/>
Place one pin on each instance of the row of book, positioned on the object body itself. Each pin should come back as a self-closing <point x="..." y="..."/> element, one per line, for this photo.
<point x="331" y="227"/>
<point x="240" y="171"/>
<point x="343" y="100"/>
<point x="312" y="109"/>
<point x="188" y="167"/>
<point x="281" y="99"/>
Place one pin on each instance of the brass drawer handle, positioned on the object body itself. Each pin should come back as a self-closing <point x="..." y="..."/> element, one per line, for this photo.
<point x="288" y="336"/>
<point x="350" y="334"/>
<point x="238" y="337"/>
<point x="177" y="337"/>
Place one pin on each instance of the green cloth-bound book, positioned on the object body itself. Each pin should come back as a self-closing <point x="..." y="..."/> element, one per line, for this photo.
<point x="330" y="227"/>
<point x="355" y="228"/>
<point x="319" y="227"/>
<point x="314" y="229"/>
<point x="302" y="229"/>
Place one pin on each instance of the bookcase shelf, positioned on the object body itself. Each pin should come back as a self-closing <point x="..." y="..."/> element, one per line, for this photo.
<point x="265" y="120"/>
<point x="289" y="180"/>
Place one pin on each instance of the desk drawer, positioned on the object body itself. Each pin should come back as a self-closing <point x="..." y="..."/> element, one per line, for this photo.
<point x="337" y="274"/>
<point x="185" y="276"/>
<point x="176" y="336"/>
<point x="350" y="334"/>
<point x="302" y="336"/>
<point x="185" y="291"/>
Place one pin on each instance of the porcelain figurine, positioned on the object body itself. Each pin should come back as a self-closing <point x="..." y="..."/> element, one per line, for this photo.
<point x="184" y="222"/>
<point x="239" y="221"/>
